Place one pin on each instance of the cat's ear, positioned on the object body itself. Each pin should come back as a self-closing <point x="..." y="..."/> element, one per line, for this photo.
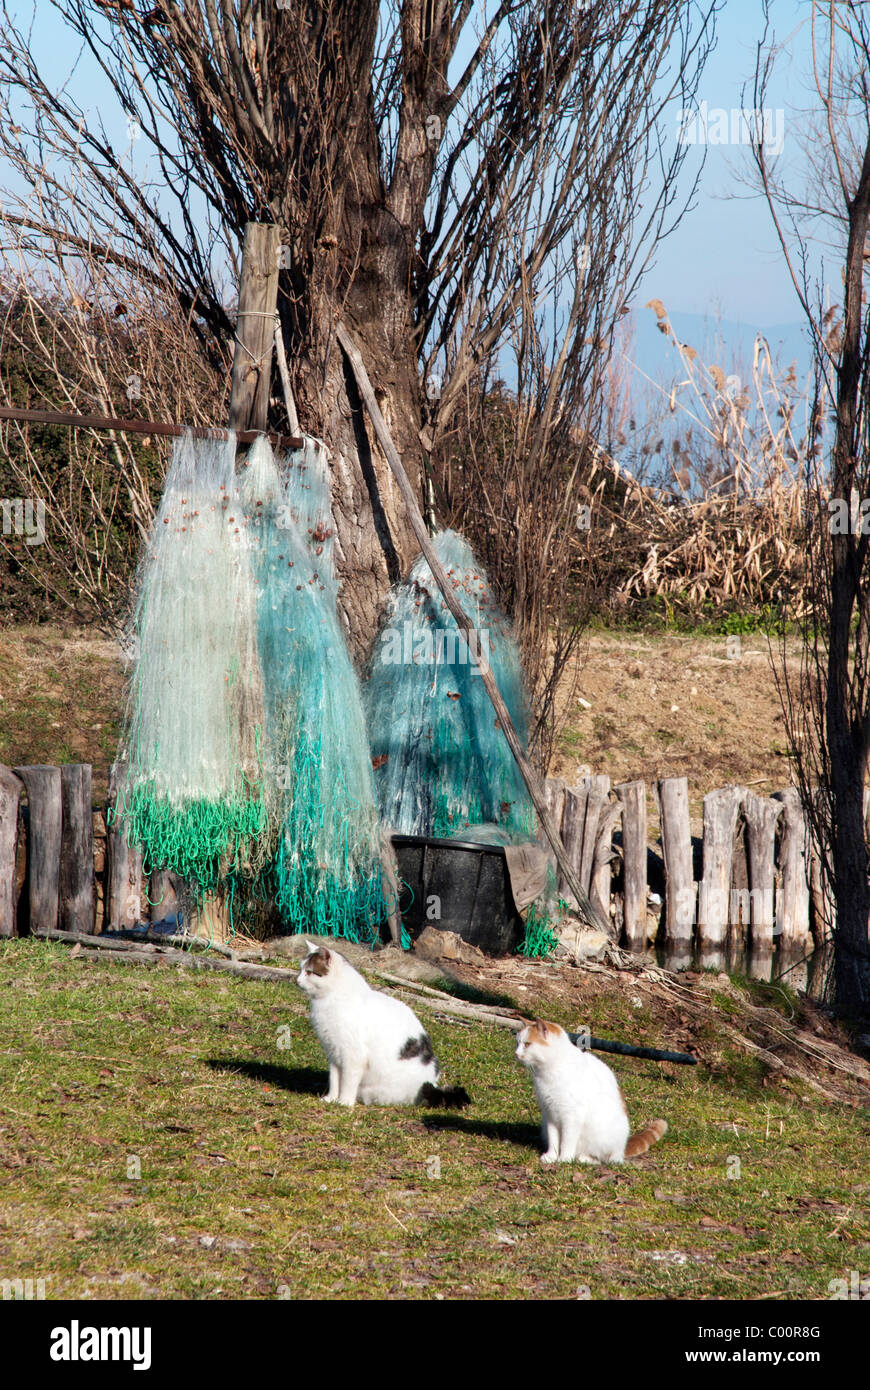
<point x="311" y="947"/>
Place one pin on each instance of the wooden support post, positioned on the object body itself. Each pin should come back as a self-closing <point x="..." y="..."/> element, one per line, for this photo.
<point x="472" y="639"/>
<point x="124" y="867"/>
<point x="672" y="795"/>
<point x="721" y="809"/>
<point x="761" y="818"/>
<point x="255" y="328"/>
<point x="76" y="849"/>
<point x="793" y="916"/>
<point x="43" y="844"/>
<point x="634" y="853"/>
<point x="10" y="796"/>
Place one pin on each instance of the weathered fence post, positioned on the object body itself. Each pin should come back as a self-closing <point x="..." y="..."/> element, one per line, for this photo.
<point x="761" y="818"/>
<point x="597" y="796"/>
<point x="721" y="808"/>
<point x="44" y="803"/>
<point x="573" y="818"/>
<point x="10" y="796"/>
<point x="124" y="867"/>
<point x="554" y="795"/>
<point x="634" y="855"/>
<point x="793" y="917"/>
<point x="76" y="849"/>
<point x="676" y="836"/>
<point x="601" y="840"/>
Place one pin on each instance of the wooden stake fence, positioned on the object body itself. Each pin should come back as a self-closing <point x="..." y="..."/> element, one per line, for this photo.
<point x="65" y="865"/>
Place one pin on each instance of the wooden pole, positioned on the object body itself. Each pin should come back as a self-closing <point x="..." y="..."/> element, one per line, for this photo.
<point x="255" y="328"/>
<point x="159" y="427"/>
<point x="587" y="911"/>
<point x="10" y="795"/>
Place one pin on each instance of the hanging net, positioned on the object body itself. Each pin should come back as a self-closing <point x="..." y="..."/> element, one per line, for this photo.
<point x="442" y="763"/>
<point x="325" y="873"/>
<point x="192" y="792"/>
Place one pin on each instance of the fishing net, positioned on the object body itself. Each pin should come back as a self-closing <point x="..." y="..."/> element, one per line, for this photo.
<point x="442" y="763"/>
<point x="325" y="874"/>
<point x="191" y="793"/>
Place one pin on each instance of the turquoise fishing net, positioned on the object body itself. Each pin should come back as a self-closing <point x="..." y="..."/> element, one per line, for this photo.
<point x="191" y="791"/>
<point x="441" y="762"/>
<point x="325" y="872"/>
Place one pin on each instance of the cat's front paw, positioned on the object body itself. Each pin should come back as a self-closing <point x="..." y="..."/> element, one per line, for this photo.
<point x="550" y="1156"/>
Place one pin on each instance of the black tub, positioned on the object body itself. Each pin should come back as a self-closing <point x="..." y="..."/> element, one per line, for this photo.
<point x="472" y="887"/>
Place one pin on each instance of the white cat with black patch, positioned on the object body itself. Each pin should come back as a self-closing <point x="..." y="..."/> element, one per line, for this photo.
<point x="583" y="1114"/>
<point x="377" y="1050"/>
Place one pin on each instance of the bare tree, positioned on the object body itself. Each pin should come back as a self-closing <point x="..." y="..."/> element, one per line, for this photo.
<point x="828" y="712"/>
<point x="466" y="189"/>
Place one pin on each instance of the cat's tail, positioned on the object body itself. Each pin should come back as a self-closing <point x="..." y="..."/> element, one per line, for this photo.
<point x="443" y="1097"/>
<point x="639" y="1143"/>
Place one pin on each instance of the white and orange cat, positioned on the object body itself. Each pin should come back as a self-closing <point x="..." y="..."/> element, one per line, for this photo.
<point x="584" y="1119"/>
<point x="377" y="1049"/>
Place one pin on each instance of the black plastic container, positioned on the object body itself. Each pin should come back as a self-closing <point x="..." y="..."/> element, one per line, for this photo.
<point x="471" y="886"/>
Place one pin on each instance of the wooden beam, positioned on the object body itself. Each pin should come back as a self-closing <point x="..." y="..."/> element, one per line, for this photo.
<point x="585" y="907"/>
<point x="255" y="328"/>
<point x="159" y="427"/>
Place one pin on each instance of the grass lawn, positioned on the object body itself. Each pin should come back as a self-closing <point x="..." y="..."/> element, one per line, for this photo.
<point x="250" y="1186"/>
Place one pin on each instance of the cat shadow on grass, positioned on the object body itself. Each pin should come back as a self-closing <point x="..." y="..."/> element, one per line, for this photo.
<point x="506" y="1131"/>
<point x="309" y="1081"/>
<point x="304" y="1081"/>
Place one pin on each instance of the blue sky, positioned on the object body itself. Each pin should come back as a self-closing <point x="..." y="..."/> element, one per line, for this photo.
<point x="725" y="257"/>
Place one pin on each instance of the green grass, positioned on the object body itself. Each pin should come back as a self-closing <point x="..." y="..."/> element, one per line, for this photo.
<point x="252" y="1187"/>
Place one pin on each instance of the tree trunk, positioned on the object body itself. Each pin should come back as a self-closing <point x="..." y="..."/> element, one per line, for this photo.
<point x="375" y="545"/>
